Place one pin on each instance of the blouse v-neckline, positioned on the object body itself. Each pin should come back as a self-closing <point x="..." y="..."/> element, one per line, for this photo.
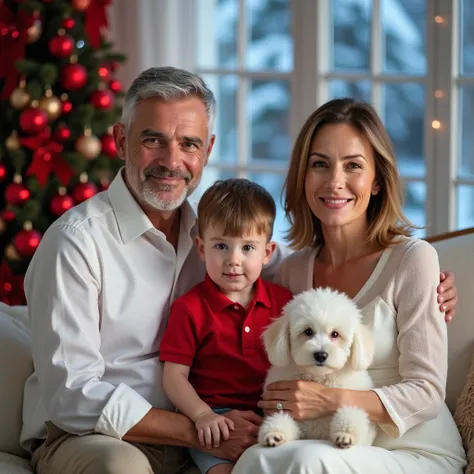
<point x="369" y="282"/>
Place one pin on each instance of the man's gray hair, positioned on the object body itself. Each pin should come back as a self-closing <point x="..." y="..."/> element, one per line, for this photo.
<point x="168" y="83"/>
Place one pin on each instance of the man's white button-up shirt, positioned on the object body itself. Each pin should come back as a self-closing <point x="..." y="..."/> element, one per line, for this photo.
<point x="99" y="290"/>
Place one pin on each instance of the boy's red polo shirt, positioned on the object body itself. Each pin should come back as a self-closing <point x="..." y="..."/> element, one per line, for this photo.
<point x="221" y="342"/>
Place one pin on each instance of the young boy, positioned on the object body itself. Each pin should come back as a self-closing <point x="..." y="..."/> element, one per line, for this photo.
<point x="214" y="357"/>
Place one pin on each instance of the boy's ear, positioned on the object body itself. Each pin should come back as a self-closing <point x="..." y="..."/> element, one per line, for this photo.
<point x="269" y="249"/>
<point x="200" y="247"/>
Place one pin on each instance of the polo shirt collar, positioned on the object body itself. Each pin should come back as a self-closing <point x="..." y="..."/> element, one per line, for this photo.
<point x="131" y="220"/>
<point x="218" y="301"/>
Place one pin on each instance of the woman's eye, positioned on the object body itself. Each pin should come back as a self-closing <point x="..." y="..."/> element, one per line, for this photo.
<point x="334" y="335"/>
<point x="318" y="164"/>
<point x="309" y="332"/>
<point x="353" y="165"/>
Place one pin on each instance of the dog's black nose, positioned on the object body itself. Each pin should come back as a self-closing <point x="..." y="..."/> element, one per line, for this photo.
<point x="320" y="356"/>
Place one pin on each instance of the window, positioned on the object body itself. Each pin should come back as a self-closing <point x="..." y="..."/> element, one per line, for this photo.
<point x="245" y="54"/>
<point x="272" y="62"/>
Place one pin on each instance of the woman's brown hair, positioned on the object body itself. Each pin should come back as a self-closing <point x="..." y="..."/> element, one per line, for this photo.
<point x="385" y="214"/>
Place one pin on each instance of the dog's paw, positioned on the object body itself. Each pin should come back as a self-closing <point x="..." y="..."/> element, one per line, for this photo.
<point x="273" y="439"/>
<point x="344" y="440"/>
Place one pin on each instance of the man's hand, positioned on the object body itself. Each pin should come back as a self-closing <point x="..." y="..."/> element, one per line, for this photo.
<point x="244" y="435"/>
<point x="447" y="295"/>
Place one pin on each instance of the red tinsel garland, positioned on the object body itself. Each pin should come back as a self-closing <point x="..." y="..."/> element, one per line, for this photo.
<point x="96" y="19"/>
<point x="13" y="34"/>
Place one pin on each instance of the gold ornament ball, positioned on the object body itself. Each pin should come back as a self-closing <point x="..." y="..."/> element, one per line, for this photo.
<point x="52" y="106"/>
<point x="12" y="142"/>
<point x="11" y="253"/>
<point x="34" y="32"/>
<point x="81" y="5"/>
<point x="19" y="98"/>
<point x="89" y="146"/>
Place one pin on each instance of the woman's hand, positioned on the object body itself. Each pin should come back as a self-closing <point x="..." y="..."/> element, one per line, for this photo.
<point x="447" y="295"/>
<point x="302" y="399"/>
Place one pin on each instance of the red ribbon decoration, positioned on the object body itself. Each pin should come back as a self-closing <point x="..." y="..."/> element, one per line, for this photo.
<point x="11" y="286"/>
<point x="47" y="159"/>
<point x="95" y="20"/>
<point x="13" y="35"/>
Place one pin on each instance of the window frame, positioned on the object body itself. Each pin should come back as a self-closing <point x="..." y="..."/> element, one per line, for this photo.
<point x="167" y="30"/>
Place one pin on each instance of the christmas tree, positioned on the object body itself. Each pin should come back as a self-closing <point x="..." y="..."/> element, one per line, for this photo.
<point x="58" y="101"/>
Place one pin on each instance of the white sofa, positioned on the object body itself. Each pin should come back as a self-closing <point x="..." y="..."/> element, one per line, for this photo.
<point x="456" y="253"/>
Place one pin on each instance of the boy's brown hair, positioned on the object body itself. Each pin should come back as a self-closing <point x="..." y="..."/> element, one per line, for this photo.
<point x="239" y="206"/>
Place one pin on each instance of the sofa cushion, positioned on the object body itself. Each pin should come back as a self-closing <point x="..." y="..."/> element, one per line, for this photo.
<point x="10" y="464"/>
<point x="16" y="365"/>
<point x="464" y="417"/>
<point x="457" y="255"/>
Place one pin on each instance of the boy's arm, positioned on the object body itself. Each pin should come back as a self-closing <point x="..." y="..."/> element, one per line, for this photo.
<point x="181" y="392"/>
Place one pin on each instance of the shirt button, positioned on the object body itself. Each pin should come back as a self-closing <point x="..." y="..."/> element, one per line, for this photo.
<point x="236" y="307"/>
<point x="247" y="329"/>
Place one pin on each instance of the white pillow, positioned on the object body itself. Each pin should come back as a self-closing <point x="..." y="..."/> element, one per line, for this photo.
<point x="16" y="365"/>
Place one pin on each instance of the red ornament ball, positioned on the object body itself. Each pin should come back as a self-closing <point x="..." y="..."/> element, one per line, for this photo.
<point x="68" y="23"/>
<point x="61" y="46"/>
<point x="62" y="133"/>
<point x="102" y="99"/>
<point x="84" y="191"/>
<point x="61" y="203"/>
<point x="16" y="193"/>
<point x="108" y="146"/>
<point x="66" y="107"/>
<point x="114" y="65"/>
<point x="73" y="77"/>
<point x="8" y="215"/>
<point x="115" y="86"/>
<point x="26" y="242"/>
<point x="3" y="172"/>
<point x="103" y="72"/>
<point x="33" y="120"/>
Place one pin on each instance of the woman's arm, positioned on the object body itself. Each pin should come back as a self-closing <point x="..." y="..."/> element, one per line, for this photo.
<point x="305" y="400"/>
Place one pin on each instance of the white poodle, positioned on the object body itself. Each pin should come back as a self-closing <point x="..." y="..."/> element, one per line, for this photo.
<point x="320" y="337"/>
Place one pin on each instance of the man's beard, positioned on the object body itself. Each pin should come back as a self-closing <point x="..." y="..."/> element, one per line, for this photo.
<point x="149" y="192"/>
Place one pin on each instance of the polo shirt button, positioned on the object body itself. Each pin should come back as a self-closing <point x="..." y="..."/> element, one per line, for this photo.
<point x="247" y="329"/>
<point x="236" y="307"/>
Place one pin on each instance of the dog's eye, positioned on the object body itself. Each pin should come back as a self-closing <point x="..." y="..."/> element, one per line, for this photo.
<point x="309" y="332"/>
<point x="334" y="335"/>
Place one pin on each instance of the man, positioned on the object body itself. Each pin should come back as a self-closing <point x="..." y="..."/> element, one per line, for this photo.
<point x="99" y="289"/>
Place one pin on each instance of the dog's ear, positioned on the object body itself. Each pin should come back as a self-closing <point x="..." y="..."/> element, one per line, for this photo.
<point x="362" y="349"/>
<point x="276" y="339"/>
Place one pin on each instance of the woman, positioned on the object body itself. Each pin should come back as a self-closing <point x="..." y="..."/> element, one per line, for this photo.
<point x="344" y="202"/>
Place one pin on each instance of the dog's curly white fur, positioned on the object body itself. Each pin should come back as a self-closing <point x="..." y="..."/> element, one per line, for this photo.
<point x="320" y="337"/>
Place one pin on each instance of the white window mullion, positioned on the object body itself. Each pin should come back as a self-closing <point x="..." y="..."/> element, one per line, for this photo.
<point x="376" y="54"/>
<point x="441" y="105"/>
<point x="243" y="125"/>
<point x="305" y="82"/>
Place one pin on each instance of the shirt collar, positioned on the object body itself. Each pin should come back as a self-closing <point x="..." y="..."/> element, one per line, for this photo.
<point x="131" y="220"/>
<point x="218" y="301"/>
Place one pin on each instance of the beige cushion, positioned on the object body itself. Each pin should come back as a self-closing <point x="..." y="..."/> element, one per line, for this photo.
<point x="464" y="417"/>
<point x="457" y="255"/>
<point x="10" y="464"/>
<point x="15" y="367"/>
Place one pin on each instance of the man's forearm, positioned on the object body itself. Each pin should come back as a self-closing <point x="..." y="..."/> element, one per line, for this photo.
<point x="164" y="427"/>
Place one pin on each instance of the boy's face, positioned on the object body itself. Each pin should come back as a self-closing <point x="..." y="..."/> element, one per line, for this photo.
<point x="234" y="263"/>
